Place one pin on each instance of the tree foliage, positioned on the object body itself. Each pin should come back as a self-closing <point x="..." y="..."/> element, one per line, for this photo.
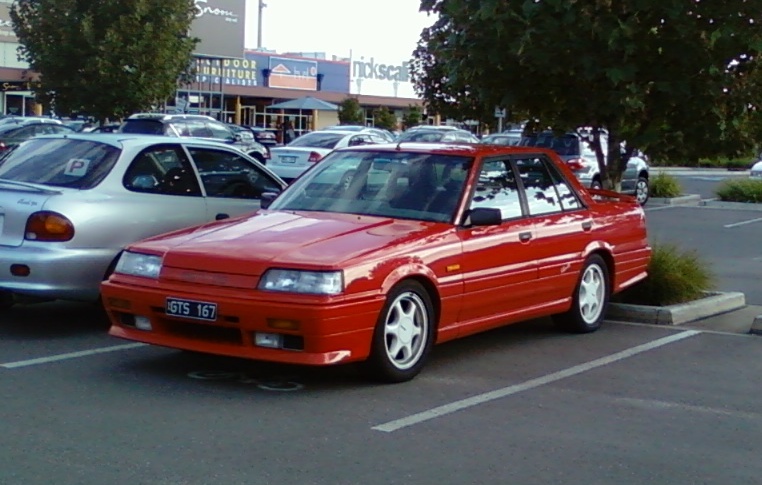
<point x="105" y="58"/>
<point x="385" y="119"/>
<point x="350" y="112"/>
<point x="676" y="78"/>
<point x="412" y="117"/>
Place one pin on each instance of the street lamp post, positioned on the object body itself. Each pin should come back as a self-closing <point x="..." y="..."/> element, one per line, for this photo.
<point x="262" y="6"/>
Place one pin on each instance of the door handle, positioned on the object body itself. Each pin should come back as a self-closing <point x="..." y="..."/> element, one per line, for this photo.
<point x="587" y="225"/>
<point x="525" y="236"/>
<point x="221" y="216"/>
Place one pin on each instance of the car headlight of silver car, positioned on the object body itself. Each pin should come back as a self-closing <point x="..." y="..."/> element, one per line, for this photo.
<point x="299" y="281"/>
<point x="138" y="264"/>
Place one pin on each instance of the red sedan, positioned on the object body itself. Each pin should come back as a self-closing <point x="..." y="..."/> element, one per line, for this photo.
<point x="379" y="252"/>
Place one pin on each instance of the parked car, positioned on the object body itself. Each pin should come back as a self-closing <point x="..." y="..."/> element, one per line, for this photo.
<point x="755" y="168"/>
<point x="197" y="126"/>
<point x="17" y="130"/>
<point x="264" y="136"/>
<point x="420" y="248"/>
<point x="437" y="135"/>
<point x="579" y="156"/>
<point x="70" y="203"/>
<point x="290" y="161"/>
<point x="105" y="128"/>
<point x="506" y="138"/>
<point x="388" y="135"/>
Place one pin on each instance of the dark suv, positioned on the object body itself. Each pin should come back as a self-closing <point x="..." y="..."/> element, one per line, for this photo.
<point x="196" y="126"/>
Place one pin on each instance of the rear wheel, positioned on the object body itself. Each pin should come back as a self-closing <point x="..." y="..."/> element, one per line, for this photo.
<point x="590" y="299"/>
<point x="596" y="184"/>
<point x="403" y="335"/>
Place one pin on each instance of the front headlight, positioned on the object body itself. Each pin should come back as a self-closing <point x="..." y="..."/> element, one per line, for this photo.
<point x="137" y="264"/>
<point x="298" y="281"/>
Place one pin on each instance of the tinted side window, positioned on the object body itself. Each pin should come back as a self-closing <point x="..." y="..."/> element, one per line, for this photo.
<point x="540" y="189"/>
<point x="162" y="170"/>
<point x="497" y="189"/>
<point x="227" y="174"/>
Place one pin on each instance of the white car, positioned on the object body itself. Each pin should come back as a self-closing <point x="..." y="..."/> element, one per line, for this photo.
<point x="290" y="161"/>
<point x="756" y="170"/>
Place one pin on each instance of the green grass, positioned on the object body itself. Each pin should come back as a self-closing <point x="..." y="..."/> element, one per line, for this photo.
<point x="664" y="185"/>
<point x="674" y="276"/>
<point x="744" y="190"/>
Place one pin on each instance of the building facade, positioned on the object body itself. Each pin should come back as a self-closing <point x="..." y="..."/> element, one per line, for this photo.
<point x="237" y="85"/>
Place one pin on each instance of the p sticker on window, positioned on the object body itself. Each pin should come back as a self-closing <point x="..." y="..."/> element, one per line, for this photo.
<point x="76" y="167"/>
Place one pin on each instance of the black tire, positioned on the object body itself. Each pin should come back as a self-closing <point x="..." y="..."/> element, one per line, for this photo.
<point x="596" y="184"/>
<point x="586" y="315"/>
<point x="642" y="190"/>
<point x="6" y="300"/>
<point x="410" y="301"/>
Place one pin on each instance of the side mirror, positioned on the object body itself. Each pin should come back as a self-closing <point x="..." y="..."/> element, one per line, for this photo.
<point x="484" y="216"/>
<point x="267" y="199"/>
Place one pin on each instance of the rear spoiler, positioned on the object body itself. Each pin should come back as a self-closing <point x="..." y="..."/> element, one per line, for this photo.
<point x="603" y="194"/>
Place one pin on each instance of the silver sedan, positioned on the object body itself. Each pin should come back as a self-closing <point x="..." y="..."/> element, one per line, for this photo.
<point x="70" y="203"/>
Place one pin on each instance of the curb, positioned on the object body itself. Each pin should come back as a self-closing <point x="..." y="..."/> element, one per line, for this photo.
<point x="756" y="326"/>
<point x="714" y="303"/>
<point x="687" y="200"/>
<point x="720" y="204"/>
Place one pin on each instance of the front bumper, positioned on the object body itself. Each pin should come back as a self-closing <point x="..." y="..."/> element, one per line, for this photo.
<point x="329" y="333"/>
<point x="55" y="272"/>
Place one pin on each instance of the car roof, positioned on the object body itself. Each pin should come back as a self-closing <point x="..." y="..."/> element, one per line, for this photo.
<point x="118" y="140"/>
<point x="458" y="149"/>
<point x="168" y="117"/>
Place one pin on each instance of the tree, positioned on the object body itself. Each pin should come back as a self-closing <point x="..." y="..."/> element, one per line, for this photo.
<point x="350" y="112"/>
<point x="677" y="79"/>
<point x="412" y="117"/>
<point x="385" y="119"/>
<point x="106" y="59"/>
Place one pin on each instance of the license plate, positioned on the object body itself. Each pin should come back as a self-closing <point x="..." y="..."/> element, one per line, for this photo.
<point x="197" y="310"/>
<point x="288" y="159"/>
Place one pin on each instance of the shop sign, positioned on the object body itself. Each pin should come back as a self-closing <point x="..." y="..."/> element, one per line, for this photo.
<point x="231" y="72"/>
<point x="220" y="26"/>
<point x="6" y="26"/>
<point x="288" y="73"/>
<point x="16" y="86"/>
<point x="373" y="77"/>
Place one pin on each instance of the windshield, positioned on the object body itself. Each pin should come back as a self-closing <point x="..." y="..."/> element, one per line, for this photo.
<point x="402" y="185"/>
<point x="566" y="145"/>
<point x="318" y="140"/>
<point x="59" y="162"/>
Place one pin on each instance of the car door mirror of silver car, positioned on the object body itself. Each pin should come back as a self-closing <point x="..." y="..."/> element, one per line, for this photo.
<point x="483" y="216"/>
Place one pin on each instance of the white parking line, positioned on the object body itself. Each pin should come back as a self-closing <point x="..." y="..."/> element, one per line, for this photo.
<point x="452" y="407"/>
<point x="71" y="355"/>
<point x="742" y="223"/>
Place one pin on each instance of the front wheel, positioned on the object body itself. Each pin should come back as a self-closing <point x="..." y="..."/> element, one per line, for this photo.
<point x="590" y="299"/>
<point x="641" y="190"/>
<point x="6" y="300"/>
<point x="403" y="335"/>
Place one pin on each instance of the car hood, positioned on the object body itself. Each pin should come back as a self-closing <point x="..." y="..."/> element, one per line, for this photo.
<point x="250" y="245"/>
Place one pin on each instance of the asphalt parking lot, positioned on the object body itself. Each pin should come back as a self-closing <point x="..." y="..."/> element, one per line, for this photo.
<point x="523" y="404"/>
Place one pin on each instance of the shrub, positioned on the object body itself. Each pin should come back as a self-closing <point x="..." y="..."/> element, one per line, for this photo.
<point x="738" y="164"/>
<point x="664" y="185"/>
<point x="743" y="190"/>
<point x="674" y="276"/>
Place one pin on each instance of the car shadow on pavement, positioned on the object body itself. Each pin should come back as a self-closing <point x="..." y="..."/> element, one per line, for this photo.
<point x="54" y="319"/>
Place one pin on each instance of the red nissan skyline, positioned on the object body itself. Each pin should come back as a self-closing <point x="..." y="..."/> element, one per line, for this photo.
<point x="377" y="253"/>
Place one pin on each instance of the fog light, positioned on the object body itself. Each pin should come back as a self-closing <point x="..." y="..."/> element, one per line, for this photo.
<point x="143" y="323"/>
<point x="269" y="340"/>
<point x="20" y="270"/>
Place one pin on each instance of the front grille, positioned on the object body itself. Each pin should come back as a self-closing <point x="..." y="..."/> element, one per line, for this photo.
<point x="205" y="332"/>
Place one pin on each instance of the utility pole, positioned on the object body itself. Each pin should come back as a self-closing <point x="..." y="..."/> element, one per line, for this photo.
<point x="262" y="6"/>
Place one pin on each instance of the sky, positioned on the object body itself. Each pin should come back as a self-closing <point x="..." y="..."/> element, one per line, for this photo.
<point x="386" y="29"/>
